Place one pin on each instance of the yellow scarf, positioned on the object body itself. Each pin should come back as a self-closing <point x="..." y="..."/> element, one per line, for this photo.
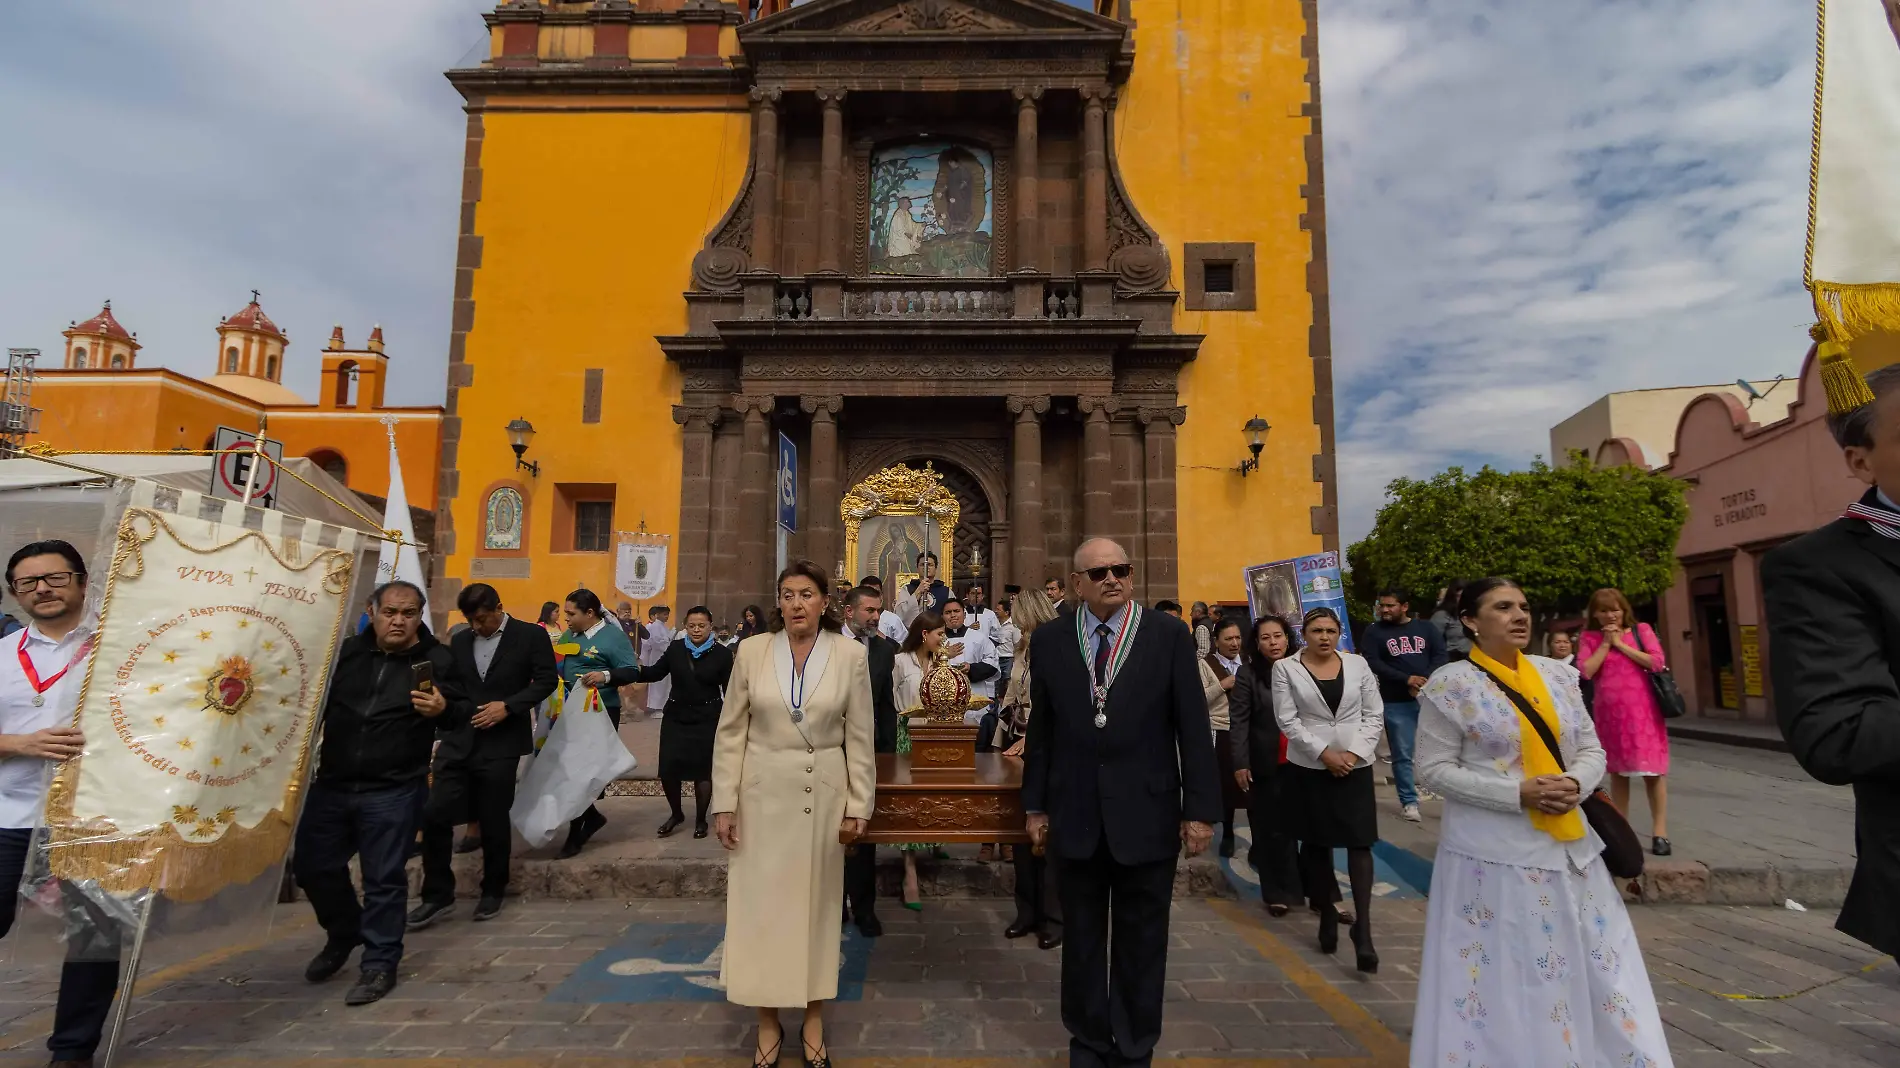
<point x="1538" y="759"/>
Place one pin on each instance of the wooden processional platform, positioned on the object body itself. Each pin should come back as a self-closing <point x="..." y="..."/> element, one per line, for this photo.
<point x="979" y="803"/>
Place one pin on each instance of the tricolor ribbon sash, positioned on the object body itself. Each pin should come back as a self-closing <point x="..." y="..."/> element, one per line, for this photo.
<point x="1117" y="655"/>
<point x="1885" y="522"/>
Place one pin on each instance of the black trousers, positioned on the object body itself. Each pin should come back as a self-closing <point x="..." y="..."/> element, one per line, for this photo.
<point x="1115" y="956"/>
<point x="860" y="880"/>
<point x="484" y="792"/>
<point x="85" y="986"/>
<point x="375" y="826"/>
<point x="1038" y="898"/>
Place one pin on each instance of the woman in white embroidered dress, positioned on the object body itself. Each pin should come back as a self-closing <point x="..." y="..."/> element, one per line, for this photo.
<point x="793" y="776"/>
<point x="1529" y="954"/>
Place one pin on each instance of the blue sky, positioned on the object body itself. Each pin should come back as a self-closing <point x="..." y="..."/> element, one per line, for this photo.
<point x="1530" y="204"/>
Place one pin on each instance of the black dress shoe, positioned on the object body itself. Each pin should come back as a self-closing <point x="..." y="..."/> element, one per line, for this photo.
<point x="1019" y="929"/>
<point x="468" y="844"/>
<point x="328" y="961"/>
<point x="1660" y="847"/>
<point x="870" y="926"/>
<point x="487" y="908"/>
<point x="585" y="826"/>
<point x="1049" y="941"/>
<point x="672" y="824"/>
<point x="1366" y="959"/>
<point x="699" y="830"/>
<point x="70" y="1062"/>
<point x="430" y="913"/>
<point x="370" y="986"/>
<point x="1329" y="931"/>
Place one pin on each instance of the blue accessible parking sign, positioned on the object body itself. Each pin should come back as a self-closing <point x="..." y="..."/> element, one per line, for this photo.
<point x="680" y="962"/>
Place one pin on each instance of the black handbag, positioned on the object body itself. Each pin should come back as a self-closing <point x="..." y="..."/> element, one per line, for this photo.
<point x="1663" y="685"/>
<point x="1622" y="850"/>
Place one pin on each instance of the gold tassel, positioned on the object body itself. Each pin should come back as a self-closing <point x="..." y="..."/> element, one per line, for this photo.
<point x="1846" y="389"/>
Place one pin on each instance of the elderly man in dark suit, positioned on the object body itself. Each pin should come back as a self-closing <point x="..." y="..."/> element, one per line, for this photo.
<point x="1833" y="599"/>
<point x="508" y="667"/>
<point x="1119" y="775"/>
<point x="864" y="605"/>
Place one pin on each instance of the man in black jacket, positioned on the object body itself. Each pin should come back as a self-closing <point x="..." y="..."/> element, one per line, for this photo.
<point x="394" y="684"/>
<point x="863" y="608"/>
<point x="1118" y="775"/>
<point x="1833" y="599"/>
<point x="508" y="667"/>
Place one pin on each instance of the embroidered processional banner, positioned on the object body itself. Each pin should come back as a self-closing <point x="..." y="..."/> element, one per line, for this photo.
<point x="215" y="642"/>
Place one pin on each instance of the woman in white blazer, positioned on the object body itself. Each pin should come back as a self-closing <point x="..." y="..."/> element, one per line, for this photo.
<point x="1327" y="703"/>
<point x="1529" y="954"/>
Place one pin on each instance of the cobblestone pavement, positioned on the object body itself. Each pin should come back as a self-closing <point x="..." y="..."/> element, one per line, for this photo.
<point x="603" y="982"/>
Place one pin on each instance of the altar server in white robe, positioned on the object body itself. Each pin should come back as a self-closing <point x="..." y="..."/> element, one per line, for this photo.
<point x="652" y="648"/>
<point x="794" y="769"/>
<point x="1529" y="954"/>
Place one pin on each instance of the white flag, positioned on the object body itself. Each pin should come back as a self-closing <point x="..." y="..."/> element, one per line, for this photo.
<point x="1854" y="228"/>
<point x="400" y="561"/>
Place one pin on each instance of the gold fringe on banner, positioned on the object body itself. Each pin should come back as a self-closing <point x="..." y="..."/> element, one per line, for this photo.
<point x="1850" y="311"/>
<point x="1846" y="388"/>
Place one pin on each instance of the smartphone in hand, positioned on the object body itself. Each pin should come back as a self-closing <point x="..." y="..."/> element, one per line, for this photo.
<point x="423" y="673"/>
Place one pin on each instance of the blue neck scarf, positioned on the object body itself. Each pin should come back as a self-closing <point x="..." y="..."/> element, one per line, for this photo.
<point x="701" y="647"/>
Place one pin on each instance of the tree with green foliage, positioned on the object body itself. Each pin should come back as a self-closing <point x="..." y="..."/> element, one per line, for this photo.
<point x="1560" y="532"/>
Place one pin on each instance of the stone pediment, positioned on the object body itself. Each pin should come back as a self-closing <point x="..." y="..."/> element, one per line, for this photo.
<point x="853" y="18"/>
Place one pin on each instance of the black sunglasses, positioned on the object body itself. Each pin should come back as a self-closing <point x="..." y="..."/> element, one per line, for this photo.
<point x="1120" y="571"/>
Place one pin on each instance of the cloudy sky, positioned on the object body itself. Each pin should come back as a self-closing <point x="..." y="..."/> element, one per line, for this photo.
<point x="1531" y="204"/>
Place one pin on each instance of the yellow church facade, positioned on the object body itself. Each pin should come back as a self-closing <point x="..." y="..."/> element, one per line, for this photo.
<point x="1062" y="255"/>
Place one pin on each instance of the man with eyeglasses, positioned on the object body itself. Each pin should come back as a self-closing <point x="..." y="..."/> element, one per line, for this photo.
<point x="1118" y="777"/>
<point x="40" y="671"/>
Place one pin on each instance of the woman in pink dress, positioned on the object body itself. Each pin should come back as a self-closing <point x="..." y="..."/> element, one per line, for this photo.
<point x="1629" y="721"/>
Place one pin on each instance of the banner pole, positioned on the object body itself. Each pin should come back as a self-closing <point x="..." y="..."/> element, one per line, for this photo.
<point x="128" y="981"/>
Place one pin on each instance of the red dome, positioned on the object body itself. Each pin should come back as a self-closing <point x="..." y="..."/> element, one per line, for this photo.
<point x="102" y="323"/>
<point x="252" y="317"/>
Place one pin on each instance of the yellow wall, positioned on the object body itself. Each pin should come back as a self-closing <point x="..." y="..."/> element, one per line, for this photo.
<point x="589" y="223"/>
<point x="90" y="411"/>
<point x="1210" y="142"/>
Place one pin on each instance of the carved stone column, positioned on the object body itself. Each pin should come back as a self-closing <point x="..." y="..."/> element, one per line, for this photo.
<point x="756" y="553"/>
<point x="765" y="179"/>
<point x="1025" y="490"/>
<point x="1098" y="469"/>
<point x="822" y="543"/>
<point x="1094" y="180"/>
<point x="696" y="482"/>
<point x="1163" y="541"/>
<point x="1028" y="238"/>
<point x="831" y="183"/>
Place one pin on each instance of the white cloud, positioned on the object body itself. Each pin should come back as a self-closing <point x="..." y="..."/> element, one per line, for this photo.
<point x="1530" y="205"/>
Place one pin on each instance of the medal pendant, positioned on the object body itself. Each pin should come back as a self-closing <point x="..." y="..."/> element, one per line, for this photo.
<point x="1101" y="720"/>
<point x="798" y="715"/>
<point x="39" y="700"/>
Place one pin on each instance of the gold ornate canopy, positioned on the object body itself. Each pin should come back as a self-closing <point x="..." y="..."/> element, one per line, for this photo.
<point x="901" y="491"/>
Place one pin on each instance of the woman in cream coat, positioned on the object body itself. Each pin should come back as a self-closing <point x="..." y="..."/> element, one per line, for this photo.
<point x="1529" y="953"/>
<point x="793" y="776"/>
<point x="1327" y="704"/>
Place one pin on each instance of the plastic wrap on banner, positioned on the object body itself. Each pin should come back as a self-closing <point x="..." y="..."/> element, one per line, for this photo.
<point x="217" y="626"/>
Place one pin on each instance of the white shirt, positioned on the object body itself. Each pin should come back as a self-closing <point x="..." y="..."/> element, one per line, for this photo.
<point x="1012" y="639"/>
<point x="893" y="627"/>
<point x="977" y="649"/>
<point x="23" y="780"/>
<point x="485" y="648"/>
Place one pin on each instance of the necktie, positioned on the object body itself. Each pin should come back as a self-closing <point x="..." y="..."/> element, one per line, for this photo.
<point x="1101" y="653"/>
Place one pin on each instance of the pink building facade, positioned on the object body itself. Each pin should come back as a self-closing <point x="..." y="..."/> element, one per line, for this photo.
<point x="1751" y="487"/>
